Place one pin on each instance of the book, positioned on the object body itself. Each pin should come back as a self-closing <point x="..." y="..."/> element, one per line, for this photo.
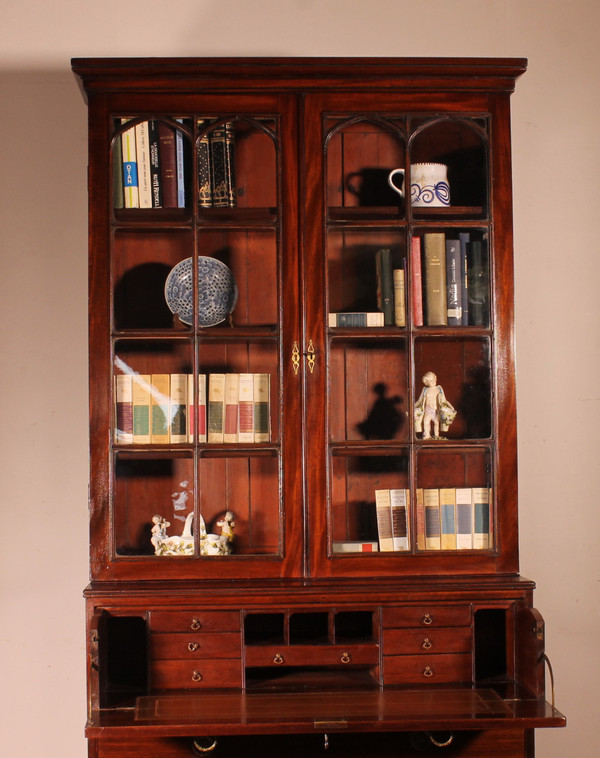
<point x="399" y="278"/>
<point x="232" y="394"/>
<point x="436" y="308"/>
<point x="448" y="518"/>
<point x="453" y="283"/>
<point x="180" y="166"/>
<point x="431" y="501"/>
<point x="117" y="173"/>
<point x="478" y="283"/>
<point x="385" y="285"/>
<point x="230" y="164"/>
<point x="221" y="145"/>
<point x="416" y="288"/>
<point x="464" y="238"/>
<point x="159" y="409"/>
<point x="354" y="546"/>
<point x="464" y="519"/>
<point x="216" y="407"/>
<point x="129" y="159"/>
<point x="142" y="150"/>
<point x="178" y="409"/>
<point x="168" y="165"/>
<point x="154" y="164"/>
<point x="481" y="518"/>
<point x="246" y="408"/>
<point x="262" y="430"/>
<point x="203" y="163"/>
<point x="383" y="511"/>
<point x="141" y="409"/>
<point x="202" y="410"/>
<point x="420" y="518"/>
<point x="355" y="319"/>
<point x="124" y="409"/>
<point x="400" y="508"/>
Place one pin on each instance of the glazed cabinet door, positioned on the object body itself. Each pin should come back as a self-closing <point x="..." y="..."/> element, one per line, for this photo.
<point x="193" y="385"/>
<point x="408" y="242"/>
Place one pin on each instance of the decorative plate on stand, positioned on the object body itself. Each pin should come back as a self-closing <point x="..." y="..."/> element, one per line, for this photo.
<point x="217" y="291"/>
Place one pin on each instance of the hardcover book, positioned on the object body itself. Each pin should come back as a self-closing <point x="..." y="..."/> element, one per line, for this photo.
<point x="431" y="500"/>
<point x="399" y="297"/>
<point x="142" y="147"/>
<point x="384" y="520"/>
<point x="204" y="169"/>
<point x="356" y="319"/>
<point x="416" y="281"/>
<point x="178" y="411"/>
<point x="481" y="518"/>
<point x="216" y="407"/>
<point x="159" y="409"/>
<point x="124" y="409"/>
<point x="141" y="409"/>
<point x="453" y="283"/>
<point x="262" y="430"/>
<point x="436" y="307"/>
<point x="232" y="396"/>
<point x="246" y="408"/>
<point x="168" y="165"/>
<point x="448" y="518"/>
<point x="385" y="285"/>
<point x="130" y="175"/>
<point x="464" y="519"/>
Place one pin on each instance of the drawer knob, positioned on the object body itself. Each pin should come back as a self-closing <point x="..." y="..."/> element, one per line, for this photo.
<point x="196" y="676"/>
<point x="346" y="658"/>
<point x="427" y="620"/>
<point x="278" y="658"/>
<point x="427" y="644"/>
<point x="195" y="625"/>
<point x="193" y="646"/>
<point x="428" y="672"/>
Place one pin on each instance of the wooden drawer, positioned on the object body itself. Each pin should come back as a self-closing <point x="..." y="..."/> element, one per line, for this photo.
<point x="195" y="645"/>
<point x="427" y="641"/>
<point x="216" y="673"/>
<point x="424" y="669"/>
<point x="427" y="616"/>
<point x="312" y="655"/>
<point x="194" y="621"/>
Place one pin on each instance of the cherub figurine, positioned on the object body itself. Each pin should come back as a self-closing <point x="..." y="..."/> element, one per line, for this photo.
<point x="432" y="409"/>
<point x="159" y="531"/>
<point x="227" y="524"/>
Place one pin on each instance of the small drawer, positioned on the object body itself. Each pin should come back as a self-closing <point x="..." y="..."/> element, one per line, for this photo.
<point x="425" y="641"/>
<point x="215" y="673"/>
<point x="312" y="655"/>
<point x="191" y="646"/>
<point x="195" y="621"/>
<point x="427" y="616"/>
<point x="433" y="669"/>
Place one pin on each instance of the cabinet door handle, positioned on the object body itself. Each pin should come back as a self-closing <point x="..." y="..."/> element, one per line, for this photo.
<point x="193" y="646"/>
<point x="296" y="358"/>
<point x="310" y="356"/>
<point x="196" y="676"/>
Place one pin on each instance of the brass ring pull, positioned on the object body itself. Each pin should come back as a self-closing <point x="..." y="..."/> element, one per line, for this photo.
<point x="346" y="658"/>
<point x="196" y="676"/>
<point x="427" y="620"/>
<point x="193" y="646"/>
<point x="195" y="625"/>
<point x="278" y="658"/>
<point x="428" y="672"/>
<point x="439" y="743"/>
<point x="212" y="744"/>
<point x="296" y="358"/>
<point x="427" y="644"/>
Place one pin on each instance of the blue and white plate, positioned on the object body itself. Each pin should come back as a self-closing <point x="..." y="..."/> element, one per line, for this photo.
<point x="217" y="291"/>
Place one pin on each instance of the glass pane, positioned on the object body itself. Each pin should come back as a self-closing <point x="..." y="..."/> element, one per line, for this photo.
<point x="153" y="496"/>
<point x="461" y="383"/>
<point x="368" y="390"/>
<point x="454" y="501"/>
<point x="366" y="275"/>
<point x="460" y="145"/>
<point x="248" y="486"/>
<point x="370" y="502"/>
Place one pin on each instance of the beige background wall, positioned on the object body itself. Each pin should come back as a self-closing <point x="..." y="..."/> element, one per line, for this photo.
<point x="43" y="444"/>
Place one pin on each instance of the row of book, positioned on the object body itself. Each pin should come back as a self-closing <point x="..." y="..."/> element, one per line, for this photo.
<point x="448" y="518"/>
<point x="158" y="409"/>
<point x="449" y="285"/>
<point x="150" y="166"/>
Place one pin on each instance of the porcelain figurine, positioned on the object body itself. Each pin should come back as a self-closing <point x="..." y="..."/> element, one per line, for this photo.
<point x="433" y="413"/>
<point x="210" y="544"/>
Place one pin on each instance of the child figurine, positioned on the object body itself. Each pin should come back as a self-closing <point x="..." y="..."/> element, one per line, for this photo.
<point x="227" y="524"/>
<point x="432" y="409"/>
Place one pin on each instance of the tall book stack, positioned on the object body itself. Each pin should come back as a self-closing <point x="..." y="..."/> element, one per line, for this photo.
<point x="160" y="409"/>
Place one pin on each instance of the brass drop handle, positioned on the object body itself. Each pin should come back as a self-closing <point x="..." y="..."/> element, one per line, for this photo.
<point x="278" y="659"/>
<point x="196" y="624"/>
<point x="427" y="644"/>
<point x="196" y="676"/>
<point x="428" y="672"/>
<point x="193" y="646"/>
<point x="427" y="620"/>
<point x="440" y="743"/>
<point x="346" y="658"/>
<point x="211" y="744"/>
